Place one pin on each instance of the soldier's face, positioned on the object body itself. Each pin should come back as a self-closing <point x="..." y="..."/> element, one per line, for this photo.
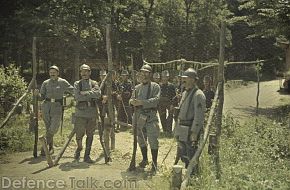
<point x="156" y="80"/>
<point x="165" y="79"/>
<point x="189" y="83"/>
<point x="85" y="74"/>
<point x="206" y="83"/>
<point x="53" y="74"/>
<point x="144" y="76"/>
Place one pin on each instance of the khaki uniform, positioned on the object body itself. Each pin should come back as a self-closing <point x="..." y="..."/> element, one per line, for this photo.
<point x="190" y="123"/>
<point x="86" y="112"/>
<point x="52" y="92"/>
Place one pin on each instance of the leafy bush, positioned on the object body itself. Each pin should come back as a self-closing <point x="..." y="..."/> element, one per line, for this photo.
<point x="12" y="86"/>
<point x="255" y="155"/>
<point x="16" y="137"/>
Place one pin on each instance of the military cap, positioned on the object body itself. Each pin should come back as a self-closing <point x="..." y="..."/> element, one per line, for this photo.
<point x="156" y="75"/>
<point x="103" y="72"/>
<point x="207" y="78"/>
<point x="165" y="73"/>
<point x="85" y="67"/>
<point x="190" y="72"/>
<point x="146" y="68"/>
<point x="54" y="67"/>
<point x="124" y="72"/>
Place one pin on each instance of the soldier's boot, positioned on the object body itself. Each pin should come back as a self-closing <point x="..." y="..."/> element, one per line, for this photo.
<point x="87" y="158"/>
<point x="144" y="161"/>
<point x="78" y="151"/>
<point x="154" y="153"/>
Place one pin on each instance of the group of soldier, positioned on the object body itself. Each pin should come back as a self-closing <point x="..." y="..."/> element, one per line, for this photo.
<point x="151" y="96"/>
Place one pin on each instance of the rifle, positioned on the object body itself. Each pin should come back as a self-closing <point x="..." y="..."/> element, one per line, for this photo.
<point x="134" y="124"/>
<point x="101" y="128"/>
<point x="62" y="114"/>
<point x="35" y="98"/>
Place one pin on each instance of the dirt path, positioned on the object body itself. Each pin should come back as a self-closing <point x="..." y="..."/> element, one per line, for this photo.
<point x="89" y="176"/>
<point x="241" y="102"/>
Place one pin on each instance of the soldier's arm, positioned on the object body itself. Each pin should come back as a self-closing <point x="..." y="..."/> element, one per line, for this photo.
<point x="43" y="91"/>
<point x="77" y="93"/>
<point x="152" y="102"/>
<point x="68" y="87"/>
<point x="94" y="92"/>
<point x="199" y="113"/>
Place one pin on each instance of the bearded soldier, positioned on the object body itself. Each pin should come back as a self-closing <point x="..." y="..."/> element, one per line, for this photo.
<point x="190" y="117"/>
<point x="86" y="92"/>
<point x="166" y="103"/>
<point x="145" y="100"/>
<point x="52" y="91"/>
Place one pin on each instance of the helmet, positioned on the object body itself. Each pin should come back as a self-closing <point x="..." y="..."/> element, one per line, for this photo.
<point x="85" y="67"/>
<point x="190" y="72"/>
<point x="165" y="73"/>
<point x="103" y="72"/>
<point x="54" y="67"/>
<point x="156" y="75"/>
<point x="146" y="68"/>
<point x="125" y="73"/>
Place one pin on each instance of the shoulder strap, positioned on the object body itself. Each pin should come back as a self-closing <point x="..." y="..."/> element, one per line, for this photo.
<point x="80" y="85"/>
<point x="188" y="96"/>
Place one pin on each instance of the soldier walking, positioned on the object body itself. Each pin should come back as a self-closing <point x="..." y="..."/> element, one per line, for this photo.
<point x="190" y="117"/>
<point x="52" y="91"/>
<point x="86" y="92"/>
<point x="166" y="103"/>
<point x="146" y="99"/>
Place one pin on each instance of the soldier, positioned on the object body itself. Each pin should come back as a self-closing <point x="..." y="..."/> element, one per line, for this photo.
<point x="190" y="117"/>
<point x="109" y="132"/>
<point x="207" y="90"/>
<point x="156" y="77"/>
<point x="86" y="92"/>
<point x="145" y="100"/>
<point x="166" y="102"/>
<point x="124" y="111"/>
<point x="52" y="91"/>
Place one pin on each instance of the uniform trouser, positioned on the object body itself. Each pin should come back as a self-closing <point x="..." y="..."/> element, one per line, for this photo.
<point x="85" y="126"/>
<point x="150" y="131"/>
<point x="52" y="114"/>
<point x="186" y="151"/>
<point x="166" y="120"/>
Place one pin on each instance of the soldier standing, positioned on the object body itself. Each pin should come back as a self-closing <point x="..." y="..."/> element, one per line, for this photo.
<point x="124" y="111"/>
<point x="190" y="117"/>
<point x="166" y="102"/>
<point x="86" y="92"/>
<point x="146" y="99"/>
<point x="52" y="91"/>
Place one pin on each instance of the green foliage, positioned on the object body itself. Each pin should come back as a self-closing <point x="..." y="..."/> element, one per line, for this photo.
<point x="255" y="155"/>
<point x="12" y="86"/>
<point x="16" y="137"/>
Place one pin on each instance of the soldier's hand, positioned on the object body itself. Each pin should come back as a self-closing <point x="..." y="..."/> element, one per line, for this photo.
<point x="83" y="92"/>
<point x="136" y="102"/>
<point x="36" y="92"/>
<point x="119" y="97"/>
